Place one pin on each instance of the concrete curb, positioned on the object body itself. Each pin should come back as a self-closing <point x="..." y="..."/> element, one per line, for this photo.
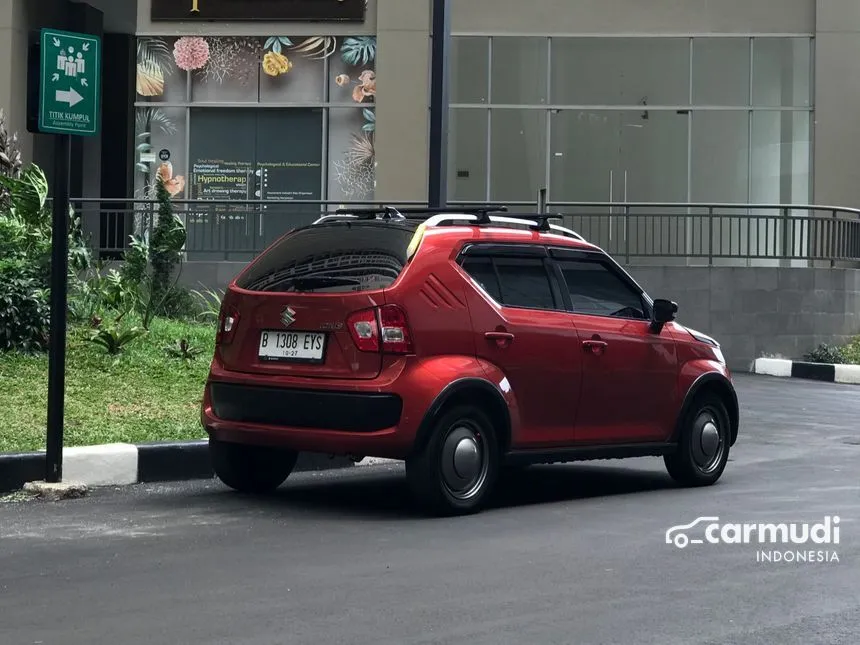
<point x="122" y="464"/>
<point x="830" y="373"/>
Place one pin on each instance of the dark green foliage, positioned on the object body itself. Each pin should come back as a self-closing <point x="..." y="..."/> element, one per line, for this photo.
<point x="830" y="354"/>
<point x="25" y="260"/>
<point x="183" y="350"/>
<point x="24" y="307"/>
<point x="168" y="238"/>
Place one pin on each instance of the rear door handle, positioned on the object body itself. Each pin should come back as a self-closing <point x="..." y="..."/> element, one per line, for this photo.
<point x="501" y="338"/>
<point x="595" y="346"/>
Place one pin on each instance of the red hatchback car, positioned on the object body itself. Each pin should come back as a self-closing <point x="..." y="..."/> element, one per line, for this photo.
<point x="463" y="343"/>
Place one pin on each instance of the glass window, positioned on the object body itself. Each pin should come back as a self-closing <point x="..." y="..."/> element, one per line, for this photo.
<point x="231" y="72"/>
<point x="519" y="71"/>
<point x="467" y="135"/>
<point x="352" y="66"/>
<point x="159" y="78"/>
<point x="160" y="145"/>
<point x="596" y="291"/>
<point x="470" y="63"/>
<point x="584" y="154"/>
<point x="352" y="153"/>
<point x="484" y="273"/>
<point x="720" y="156"/>
<point x="721" y="71"/>
<point x="524" y="283"/>
<point x="333" y="259"/>
<point x="781" y="72"/>
<point x="517" y="154"/>
<point x="781" y="158"/>
<point x="620" y="71"/>
<point x="290" y="74"/>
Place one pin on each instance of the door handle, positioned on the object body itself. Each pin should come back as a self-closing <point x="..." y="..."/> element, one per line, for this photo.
<point x="501" y="338"/>
<point x="595" y="346"/>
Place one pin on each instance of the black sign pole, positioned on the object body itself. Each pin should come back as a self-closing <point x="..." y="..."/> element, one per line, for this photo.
<point x="59" y="286"/>
<point x="439" y="101"/>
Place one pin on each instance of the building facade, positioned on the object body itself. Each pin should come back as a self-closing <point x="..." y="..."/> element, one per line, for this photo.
<point x="610" y="100"/>
<point x="681" y="101"/>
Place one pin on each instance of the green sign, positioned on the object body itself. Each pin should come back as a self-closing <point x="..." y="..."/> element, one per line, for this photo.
<point x="70" y="85"/>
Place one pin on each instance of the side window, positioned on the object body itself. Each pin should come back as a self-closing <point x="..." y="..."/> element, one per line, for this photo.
<point x="513" y="282"/>
<point x="483" y="272"/>
<point x="596" y="290"/>
<point x="525" y="283"/>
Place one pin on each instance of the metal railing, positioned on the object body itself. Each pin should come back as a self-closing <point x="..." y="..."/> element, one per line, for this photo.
<point x="707" y="233"/>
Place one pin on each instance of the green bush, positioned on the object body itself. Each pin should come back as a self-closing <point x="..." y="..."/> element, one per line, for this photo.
<point x="25" y="260"/>
<point x="826" y="354"/>
<point x="24" y="307"/>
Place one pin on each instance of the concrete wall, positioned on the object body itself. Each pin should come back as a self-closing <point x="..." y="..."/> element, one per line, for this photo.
<point x="13" y="70"/>
<point x="634" y="16"/>
<point x="758" y="311"/>
<point x="750" y="311"/>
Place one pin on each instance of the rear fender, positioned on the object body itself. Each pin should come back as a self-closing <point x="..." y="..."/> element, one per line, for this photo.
<point x="495" y="396"/>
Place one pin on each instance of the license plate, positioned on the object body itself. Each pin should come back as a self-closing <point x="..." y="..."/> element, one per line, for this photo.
<point x="292" y="346"/>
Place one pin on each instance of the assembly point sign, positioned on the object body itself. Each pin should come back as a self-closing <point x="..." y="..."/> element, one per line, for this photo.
<point x="70" y="88"/>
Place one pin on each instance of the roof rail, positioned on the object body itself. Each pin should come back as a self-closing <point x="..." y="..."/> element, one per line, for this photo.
<point x="534" y="221"/>
<point x="474" y="215"/>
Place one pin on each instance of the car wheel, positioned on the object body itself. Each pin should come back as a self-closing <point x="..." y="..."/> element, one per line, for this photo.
<point x="703" y="443"/>
<point x="251" y="469"/>
<point x="458" y="467"/>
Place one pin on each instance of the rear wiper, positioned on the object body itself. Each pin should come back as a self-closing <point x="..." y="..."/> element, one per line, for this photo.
<point x="322" y="281"/>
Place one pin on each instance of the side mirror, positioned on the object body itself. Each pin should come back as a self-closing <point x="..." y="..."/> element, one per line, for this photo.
<point x="664" y="312"/>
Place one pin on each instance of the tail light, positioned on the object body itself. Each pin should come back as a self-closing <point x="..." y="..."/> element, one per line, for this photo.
<point x="364" y="330"/>
<point x="382" y="329"/>
<point x="228" y="320"/>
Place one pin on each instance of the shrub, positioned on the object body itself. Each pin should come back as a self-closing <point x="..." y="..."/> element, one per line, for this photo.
<point x="168" y="238"/>
<point x="24" y="307"/>
<point x="113" y="338"/>
<point x="825" y="354"/>
<point x="25" y="253"/>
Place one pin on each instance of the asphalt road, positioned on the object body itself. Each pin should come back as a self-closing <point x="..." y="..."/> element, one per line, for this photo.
<point x="566" y="554"/>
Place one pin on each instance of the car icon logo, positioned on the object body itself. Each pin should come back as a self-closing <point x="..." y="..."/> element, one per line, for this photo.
<point x="288" y="316"/>
<point x="677" y="534"/>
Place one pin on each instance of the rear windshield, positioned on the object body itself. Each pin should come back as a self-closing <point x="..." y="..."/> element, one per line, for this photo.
<point x="334" y="258"/>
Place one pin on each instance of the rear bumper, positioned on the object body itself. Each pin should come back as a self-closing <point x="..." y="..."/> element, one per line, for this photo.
<point x="375" y="418"/>
<point x="304" y="408"/>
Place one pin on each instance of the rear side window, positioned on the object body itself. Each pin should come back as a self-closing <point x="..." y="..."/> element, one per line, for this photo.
<point x="513" y="282"/>
<point x="596" y="290"/>
<point x="336" y="258"/>
<point x="484" y="273"/>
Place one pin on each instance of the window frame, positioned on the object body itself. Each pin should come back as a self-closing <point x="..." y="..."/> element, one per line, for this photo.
<point x="559" y="255"/>
<point x="514" y="251"/>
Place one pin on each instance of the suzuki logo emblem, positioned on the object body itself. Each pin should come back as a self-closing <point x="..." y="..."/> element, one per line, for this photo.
<point x="288" y="316"/>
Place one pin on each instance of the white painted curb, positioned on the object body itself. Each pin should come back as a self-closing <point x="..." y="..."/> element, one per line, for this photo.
<point x="773" y="367"/>
<point x="112" y="464"/>
<point x="848" y="374"/>
<point x="116" y="464"/>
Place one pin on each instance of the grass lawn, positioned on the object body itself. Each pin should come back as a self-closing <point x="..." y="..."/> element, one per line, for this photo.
<point x="143" y="394"/>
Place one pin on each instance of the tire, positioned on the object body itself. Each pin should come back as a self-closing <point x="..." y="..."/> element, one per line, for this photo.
<point x="703" y="451"/>
<point x="251" y="469"/>
<point x="458" y="467"/>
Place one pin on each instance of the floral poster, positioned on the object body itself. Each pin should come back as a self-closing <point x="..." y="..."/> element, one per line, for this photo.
<point x="306" y="71"/>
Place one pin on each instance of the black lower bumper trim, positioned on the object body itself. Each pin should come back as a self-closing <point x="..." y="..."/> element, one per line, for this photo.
<point x="318" y="410"/>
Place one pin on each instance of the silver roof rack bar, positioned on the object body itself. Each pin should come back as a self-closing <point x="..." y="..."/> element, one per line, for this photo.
<point x="449" y="217"/>
<point x="442" y="218"/>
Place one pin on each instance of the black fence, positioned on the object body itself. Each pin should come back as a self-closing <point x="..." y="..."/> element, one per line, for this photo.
<point x="698" y="233"/>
